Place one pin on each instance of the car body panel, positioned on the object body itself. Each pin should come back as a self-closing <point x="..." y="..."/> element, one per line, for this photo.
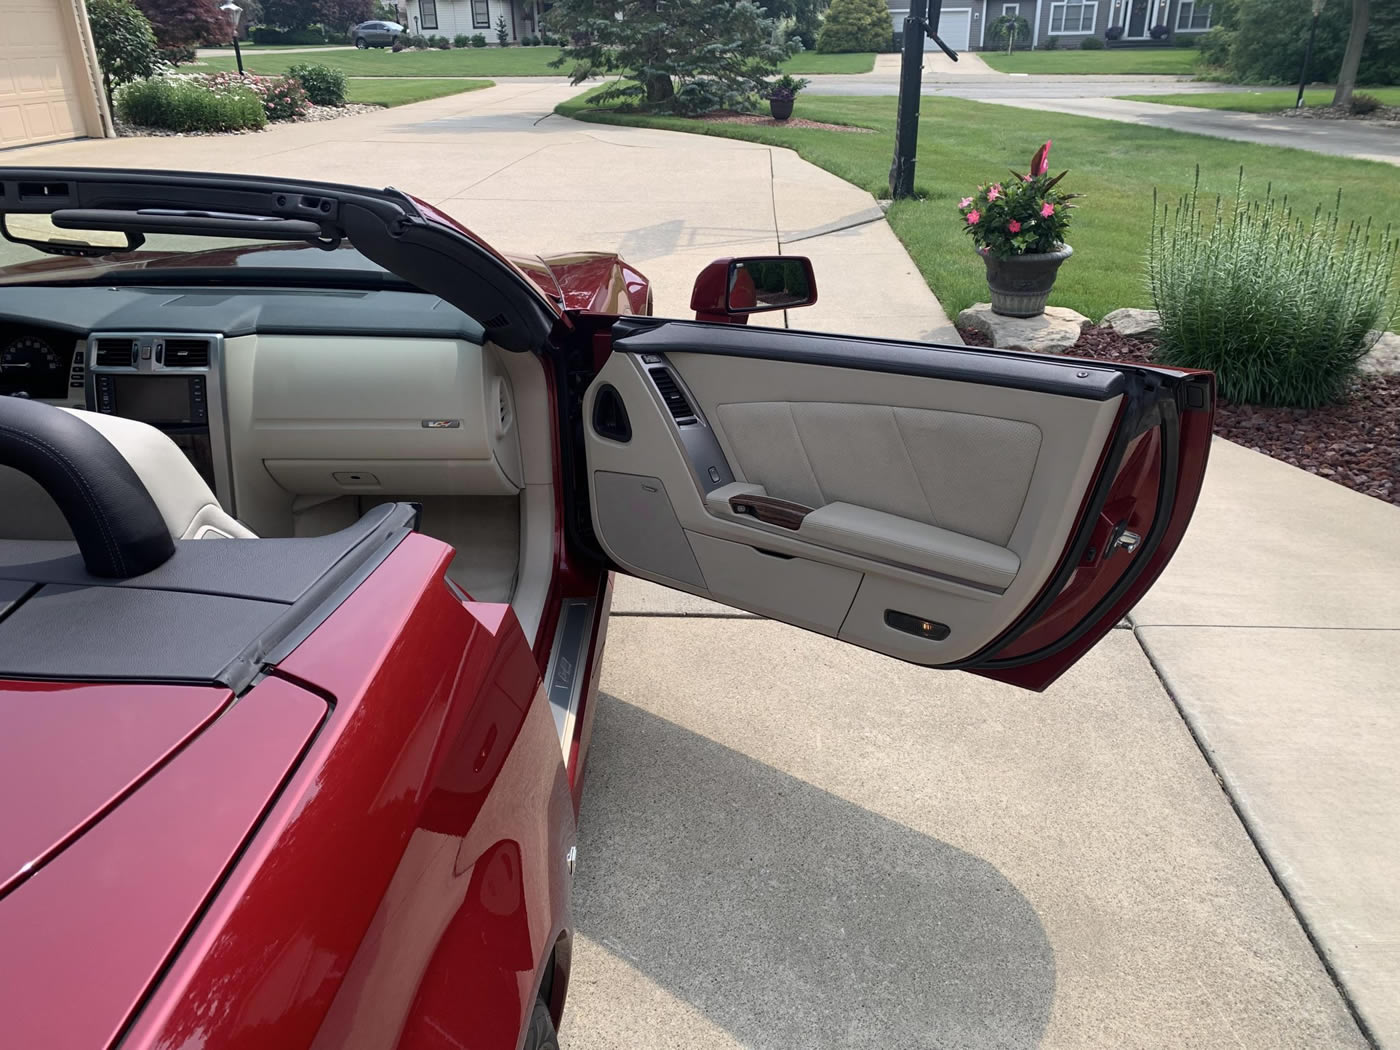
<point x="105" y="914"/>
<point x="72" y="751"/>
<point x="385" y="874"/>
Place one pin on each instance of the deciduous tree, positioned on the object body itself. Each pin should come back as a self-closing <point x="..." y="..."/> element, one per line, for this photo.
<point x="124" y="41"/>
<point x="186" y="23"/>
<point x="1351" y="61"/>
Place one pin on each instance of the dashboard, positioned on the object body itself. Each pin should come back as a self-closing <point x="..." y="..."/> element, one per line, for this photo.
<point x="281" y="398"/>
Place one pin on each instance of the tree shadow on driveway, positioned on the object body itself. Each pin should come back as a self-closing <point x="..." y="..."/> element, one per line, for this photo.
<point x="791" y="917"/>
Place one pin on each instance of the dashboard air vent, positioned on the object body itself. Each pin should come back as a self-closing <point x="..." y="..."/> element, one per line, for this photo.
<point x="116" y="353"/>
<point x="187" y="353"/>
<point x="680" y="408"/>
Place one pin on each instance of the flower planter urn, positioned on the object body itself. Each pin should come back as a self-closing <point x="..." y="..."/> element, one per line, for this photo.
<point x="1020" y="284"/>
<point x="781" y="108"/>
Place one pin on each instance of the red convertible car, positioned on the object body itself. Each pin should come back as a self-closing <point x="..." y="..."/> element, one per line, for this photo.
<point x="309" y="505"/>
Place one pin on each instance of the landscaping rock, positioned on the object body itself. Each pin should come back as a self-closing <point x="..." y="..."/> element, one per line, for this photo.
<point x="1129" y="321"/>
<point x="1384" y="358"/>
<point x="1052" y="332"/>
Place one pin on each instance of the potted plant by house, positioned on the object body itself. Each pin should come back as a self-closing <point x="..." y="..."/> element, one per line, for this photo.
<point x="1018" y="227"/>
<point x="780" y="94"/>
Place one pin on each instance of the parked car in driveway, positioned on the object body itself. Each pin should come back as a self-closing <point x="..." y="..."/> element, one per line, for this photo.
<point x="310" y="502"/>
<point x="375" y="34"/>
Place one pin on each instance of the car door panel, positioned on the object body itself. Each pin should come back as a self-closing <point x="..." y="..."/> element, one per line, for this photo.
<point x="912" y="500"/>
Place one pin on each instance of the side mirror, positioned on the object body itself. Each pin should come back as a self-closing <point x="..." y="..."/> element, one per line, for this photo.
<point x="731" y="289"/>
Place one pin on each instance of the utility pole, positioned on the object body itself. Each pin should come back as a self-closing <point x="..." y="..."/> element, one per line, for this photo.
<point x="922" y="20"/>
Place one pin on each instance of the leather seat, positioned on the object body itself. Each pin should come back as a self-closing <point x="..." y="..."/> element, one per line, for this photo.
<point x="185" y="502"/>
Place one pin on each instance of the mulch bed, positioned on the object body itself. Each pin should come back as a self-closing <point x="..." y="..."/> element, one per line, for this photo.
<point x="1386" y="116"/>
<point x="1356" y="443"/>
<point x="758" y="120"/>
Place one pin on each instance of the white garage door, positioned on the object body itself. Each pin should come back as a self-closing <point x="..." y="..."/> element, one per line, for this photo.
<point x="38" y="89"/>
<point x="954" y="26"/>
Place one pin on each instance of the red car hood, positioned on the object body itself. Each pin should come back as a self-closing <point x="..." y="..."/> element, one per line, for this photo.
<point x="122" y="807"/>
<point x="599" y="282"/>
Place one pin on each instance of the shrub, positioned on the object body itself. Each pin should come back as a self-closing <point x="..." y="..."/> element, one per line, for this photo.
<point x="1113" y="33"/>
<point x="461" y="40"/>
<point x="432" y="40"/>
<point x="1362" y="103"/>
<point x="478" y="40"/>
<point x="502" y="31"/>
<point x="443" y="44"/>
<point x="1091" y="43"/>
<point x="854" y="25"/>
<point x="282" y="97"/>
<point x="324" y="86"/>
<point x="177" y="55"/>
<point x="1277" y="304"/>
<point x="124" y="41"/>
<point x="1160" y="32"/>
<point x="414" y="40"/>
<point x="271" y="35"/>
<point x="1052" y="43"/>
<point x="189" y="105"/>
<point x="1215" y="46"/>
<point x="397" y="46"/>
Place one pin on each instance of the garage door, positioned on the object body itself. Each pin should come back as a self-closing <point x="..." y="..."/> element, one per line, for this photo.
<point x="39" y="98"/>
<point x="954" y="26"/>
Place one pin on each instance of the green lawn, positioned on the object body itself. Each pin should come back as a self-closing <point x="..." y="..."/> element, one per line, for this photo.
<point x="1116" y="165"/>
<point x="472" y="62"/>
<point x="1160" y="61"/>
<point x="381" y="62"/>
<point x="1266" y="101"/>
<point x="400" y="90"/>
<point x="247" y="46"/>
<point x="813" y="62"/>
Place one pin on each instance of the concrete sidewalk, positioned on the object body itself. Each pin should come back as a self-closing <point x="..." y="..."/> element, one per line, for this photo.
<point x="1277" y="629"/>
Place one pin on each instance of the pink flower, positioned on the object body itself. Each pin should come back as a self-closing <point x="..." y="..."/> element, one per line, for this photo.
<point x="1014" y="226"/>
<point x="964" y="202"/>
<point x="1047" y="209"/>
<point x="994" y="192"/>
<point x="973" y="217"/>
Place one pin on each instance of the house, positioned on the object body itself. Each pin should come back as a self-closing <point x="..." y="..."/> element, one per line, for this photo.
<point x="451" y="18"/>
<point x="963" y="24"/>
<point x="50" y="85"/>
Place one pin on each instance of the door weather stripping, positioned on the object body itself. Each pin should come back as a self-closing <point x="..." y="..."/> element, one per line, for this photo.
<point x="566" y="660"/>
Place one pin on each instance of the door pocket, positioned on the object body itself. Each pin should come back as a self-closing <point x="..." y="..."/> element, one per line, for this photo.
<point x="791" y="589"/>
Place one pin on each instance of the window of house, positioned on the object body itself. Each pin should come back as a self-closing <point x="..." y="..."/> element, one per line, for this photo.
<point x="427" y="10"/>
<point x="1011" y="9"/>
<point x="481" y="14"/>
<point x="1191" y="15"/>
<point x="1073" y="17"/>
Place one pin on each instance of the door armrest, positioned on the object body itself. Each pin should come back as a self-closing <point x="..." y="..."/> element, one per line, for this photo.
<point x="902" y="541"/>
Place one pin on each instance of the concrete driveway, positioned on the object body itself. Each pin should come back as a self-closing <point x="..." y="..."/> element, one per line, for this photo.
<point x="787" y="842"/>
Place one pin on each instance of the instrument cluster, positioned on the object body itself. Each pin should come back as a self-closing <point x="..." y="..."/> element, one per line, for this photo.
<point x="36" y="362"/>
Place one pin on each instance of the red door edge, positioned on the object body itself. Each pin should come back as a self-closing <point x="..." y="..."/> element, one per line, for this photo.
<point x="1183" y="403"/>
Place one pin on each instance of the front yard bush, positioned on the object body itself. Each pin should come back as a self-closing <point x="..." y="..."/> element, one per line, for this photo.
<point x="124" y="41"/>
<point x="1091" y="43"/>
<point x="283" y="98"/>
<point x="324" y="86"/>
<point x="854" y="25"/>
<point x="1276" y="303"/>
<point x="189" y="105"/>
<point x="461" y="40"/>
<point x="478" y="40"/>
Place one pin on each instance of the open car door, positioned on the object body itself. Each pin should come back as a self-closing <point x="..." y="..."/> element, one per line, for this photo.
<point x="954" y="507"/>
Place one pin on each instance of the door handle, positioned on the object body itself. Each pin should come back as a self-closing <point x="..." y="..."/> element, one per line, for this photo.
<point x="770" y="510"/>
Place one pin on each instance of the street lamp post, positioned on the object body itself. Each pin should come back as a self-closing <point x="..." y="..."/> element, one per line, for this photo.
<point x="233" y="13"/>
<point x="1307" y="53"/>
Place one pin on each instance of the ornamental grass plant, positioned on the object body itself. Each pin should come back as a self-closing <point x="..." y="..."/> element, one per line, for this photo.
<point x="1280" y="305"/>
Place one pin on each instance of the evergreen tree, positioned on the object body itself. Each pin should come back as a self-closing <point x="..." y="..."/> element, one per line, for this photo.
<point x="681" y="56"/>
